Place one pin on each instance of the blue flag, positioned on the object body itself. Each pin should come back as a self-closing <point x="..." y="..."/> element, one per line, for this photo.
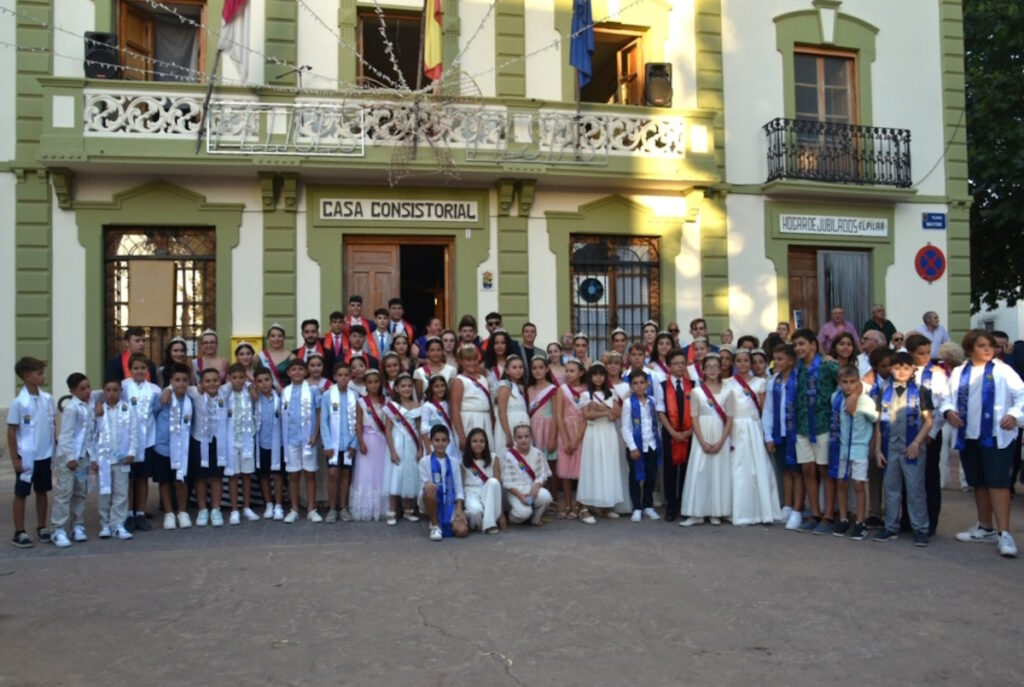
<point x="581" y="41"/>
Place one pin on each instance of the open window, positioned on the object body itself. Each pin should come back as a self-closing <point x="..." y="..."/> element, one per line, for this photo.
<point x="402" y="32"/>
<point x="618" y="65"/>
<point x="159" y="46"/>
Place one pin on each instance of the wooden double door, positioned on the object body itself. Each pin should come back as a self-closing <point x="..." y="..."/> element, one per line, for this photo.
<point x="417" y="270"/>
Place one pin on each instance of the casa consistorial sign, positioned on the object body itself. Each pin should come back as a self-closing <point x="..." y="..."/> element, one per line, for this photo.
<point x="389" y="210"/>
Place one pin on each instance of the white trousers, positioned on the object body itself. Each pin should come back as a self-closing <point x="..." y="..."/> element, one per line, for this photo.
<point x="114" y="506"/>
<point x="483" y="505"/>
<point x="69" y="495"/>
<point x="520" y="512"/>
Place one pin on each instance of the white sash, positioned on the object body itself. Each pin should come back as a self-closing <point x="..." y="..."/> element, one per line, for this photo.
<point x="114" y="442"/>
<point x="180" y="422"/>
<point x="206" y="413"/>
<point x="275" y="434"/>
<point x="305" y="416"/>
<point x="234" y="421"/>
<point x="85" y="419"/>
<point x="140" y="396"/>
<point x="27" y="429"/>
<point x="335" y="423"/>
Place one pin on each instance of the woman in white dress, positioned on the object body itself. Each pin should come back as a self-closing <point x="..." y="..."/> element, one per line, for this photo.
<point x="404" y="427"/>
<point x="708" y="488"/>
<point x="481" y="484"/>
<point x="470" y="398"/>
<point x="755" y="495"/>
<point x="600" y="484"/>
<point x="512" y="408"/>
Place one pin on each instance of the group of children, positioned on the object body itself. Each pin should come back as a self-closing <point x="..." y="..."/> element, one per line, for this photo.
<point x="494" y="439"/>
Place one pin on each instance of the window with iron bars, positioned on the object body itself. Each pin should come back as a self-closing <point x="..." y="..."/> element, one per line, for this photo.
<point x="616" y="283"/>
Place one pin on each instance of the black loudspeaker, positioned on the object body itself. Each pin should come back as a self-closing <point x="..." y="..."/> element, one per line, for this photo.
<point x="658" y="84"/>
<point x="101" y="55"/>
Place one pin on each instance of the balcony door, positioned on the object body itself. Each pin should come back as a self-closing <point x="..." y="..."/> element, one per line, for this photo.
<point x="159" y="46"/>
<point x="828" y="145"/>
<point x="618" y="64"/>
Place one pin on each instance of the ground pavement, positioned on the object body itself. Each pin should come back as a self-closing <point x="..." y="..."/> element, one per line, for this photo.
<point x="614" y="604"/>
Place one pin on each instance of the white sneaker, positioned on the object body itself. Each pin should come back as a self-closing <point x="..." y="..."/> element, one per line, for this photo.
<point x="1007" y="547"/>
<point x="637" y="516"/>
<point x="79" y="533"/>
<point x="715" y="521"/>
<point x="268" y="512"/>
<point x="169" y="522"/>
<point x="250" y="515"/>
<point x="60" y="538"/>
<point x="977" y="534"/>
<point x="216" y="518"/>
<point x="203" y="518"/>
<point x="784" y="515"/>
<point x="345" y="515"/>
<point x="691" y="522"/>
<point x="122" y="533"/>
<point x="794" y="521"/>
<point x="391" y="519"/>
<point x="184" y="520"/>
<point x="612" y="515"/>
<point x="293" y="516"/>
<point x="235" y="518"/>
<point x="435" y="534"/>
<point x="104" y="533"/>
<point x="314" y="516"/>
<point x="278" y="513"/>
<point x="651" y="514"/>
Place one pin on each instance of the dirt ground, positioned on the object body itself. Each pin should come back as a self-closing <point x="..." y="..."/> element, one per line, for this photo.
<point x="566" y="604"/>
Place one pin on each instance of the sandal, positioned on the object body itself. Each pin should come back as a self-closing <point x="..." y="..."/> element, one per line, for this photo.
<point x="572" y="515"/>
<point x="410" y="515"/>
<point x="392" y="518"/>
<point x="562" y="514"/>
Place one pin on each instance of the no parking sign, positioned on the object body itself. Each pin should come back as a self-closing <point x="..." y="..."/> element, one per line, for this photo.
<point x="930" y="263"/>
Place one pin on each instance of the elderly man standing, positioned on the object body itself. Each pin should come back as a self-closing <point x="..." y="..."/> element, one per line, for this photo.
<point x="871" y="340"/>
<point x="879" y="323"/>
<point x="933" y="331"/>
<point x="833" y="328"/>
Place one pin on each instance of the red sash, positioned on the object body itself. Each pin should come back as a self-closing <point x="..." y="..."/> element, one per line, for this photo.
<point x="440" y="409"/>
<point x="575" y="394"/>
<point x="750" y="392"/>
<point x="714" y="402"/>
<point x="690" y="360"/>
<point x="127" y="368"/>
<point x="484" y="391"/>
<point x="479" y="474"/>
<point x="272" y="366"/>
<point x="405" y="423"/>
<point x="680" y="449"/>
<point x="373" y="413"/>
<point x="664" y="368"/>
<point x="523" y="464"/>
<point x="541" y="403"/>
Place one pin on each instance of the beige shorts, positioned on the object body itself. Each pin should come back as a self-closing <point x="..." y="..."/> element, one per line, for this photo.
<point x="806" y="452"/>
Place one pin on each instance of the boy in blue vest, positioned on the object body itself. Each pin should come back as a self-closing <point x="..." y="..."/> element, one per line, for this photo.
<point x="854" y="414"/>
<point x="904" y="420"/>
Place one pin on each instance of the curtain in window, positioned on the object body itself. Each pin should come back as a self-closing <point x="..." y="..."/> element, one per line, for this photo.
<point x="844" y="280"/>
<point x="175" y="42"/>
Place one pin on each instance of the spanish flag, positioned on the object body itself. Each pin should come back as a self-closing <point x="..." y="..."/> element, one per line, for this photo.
<point x="432" y="40"/>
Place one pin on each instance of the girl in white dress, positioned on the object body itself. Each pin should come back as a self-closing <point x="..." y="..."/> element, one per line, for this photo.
<point x="708" y="488"/>
<point x="481" y="484"/>
<point x="470" y="398"/>
<point x="435" y="364"/>
<point x="436" y="412"/>
<point x="404" y="427"/>
<point x="512" y="408"/>
<point x="755" y="495"/>
<point x="614" y="363"/>
<point x="600" y="484"/>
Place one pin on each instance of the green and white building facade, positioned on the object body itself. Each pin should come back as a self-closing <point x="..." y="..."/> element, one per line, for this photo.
<point x="805" y="146"/>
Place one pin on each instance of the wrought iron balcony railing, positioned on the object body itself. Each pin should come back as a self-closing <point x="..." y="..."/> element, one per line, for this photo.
<point x="840" y="153"/>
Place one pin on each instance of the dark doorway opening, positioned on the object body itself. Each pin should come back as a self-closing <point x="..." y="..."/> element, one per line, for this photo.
<point x="424" y="270"/>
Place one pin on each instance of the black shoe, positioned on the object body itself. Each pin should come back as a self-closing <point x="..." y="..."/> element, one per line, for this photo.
<point x="886" y="535"/>
<point x="860" y="531"/>
<point x="43" y="534"/>
<point x="920" y="539"/>
<point x="874" y="523"/>
<point x="149" y="516"/>
<point x="841" y="528"/>
<point x="141" y="524"/>
<point x="22" y="541"/>
<point x="129" y="523"/>
<point x="931" y="533"/>
<point x="670" y="517"/>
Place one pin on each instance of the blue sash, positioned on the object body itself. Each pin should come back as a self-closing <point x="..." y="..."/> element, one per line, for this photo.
<point x="876" y="387"/>
<point x="812" y="394"/>
<point x="988" y="401"/>
<point x="913" y="411"/>
<point x="445" y="493"/>
<point x="636" y="417"/>
<point x="650" y="382"/>
<point x="790" y="442"/>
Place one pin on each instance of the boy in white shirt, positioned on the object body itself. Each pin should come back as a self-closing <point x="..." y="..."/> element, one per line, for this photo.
<point x="31" y="430"/>
<point x="236" y="440"/>
<point x="640" y="432"/>
<point x="139" y="393"/>
<point x="985" y="406"/>
<point x="300" y="432"/>
<point x="117" y="443"/>
<point x="338" y="433"/>
<point x="77" y="433"/>
<point x="442" y="497"/>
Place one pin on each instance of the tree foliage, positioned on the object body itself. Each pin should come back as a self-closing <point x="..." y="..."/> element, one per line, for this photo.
<point x="994" y="47"/>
